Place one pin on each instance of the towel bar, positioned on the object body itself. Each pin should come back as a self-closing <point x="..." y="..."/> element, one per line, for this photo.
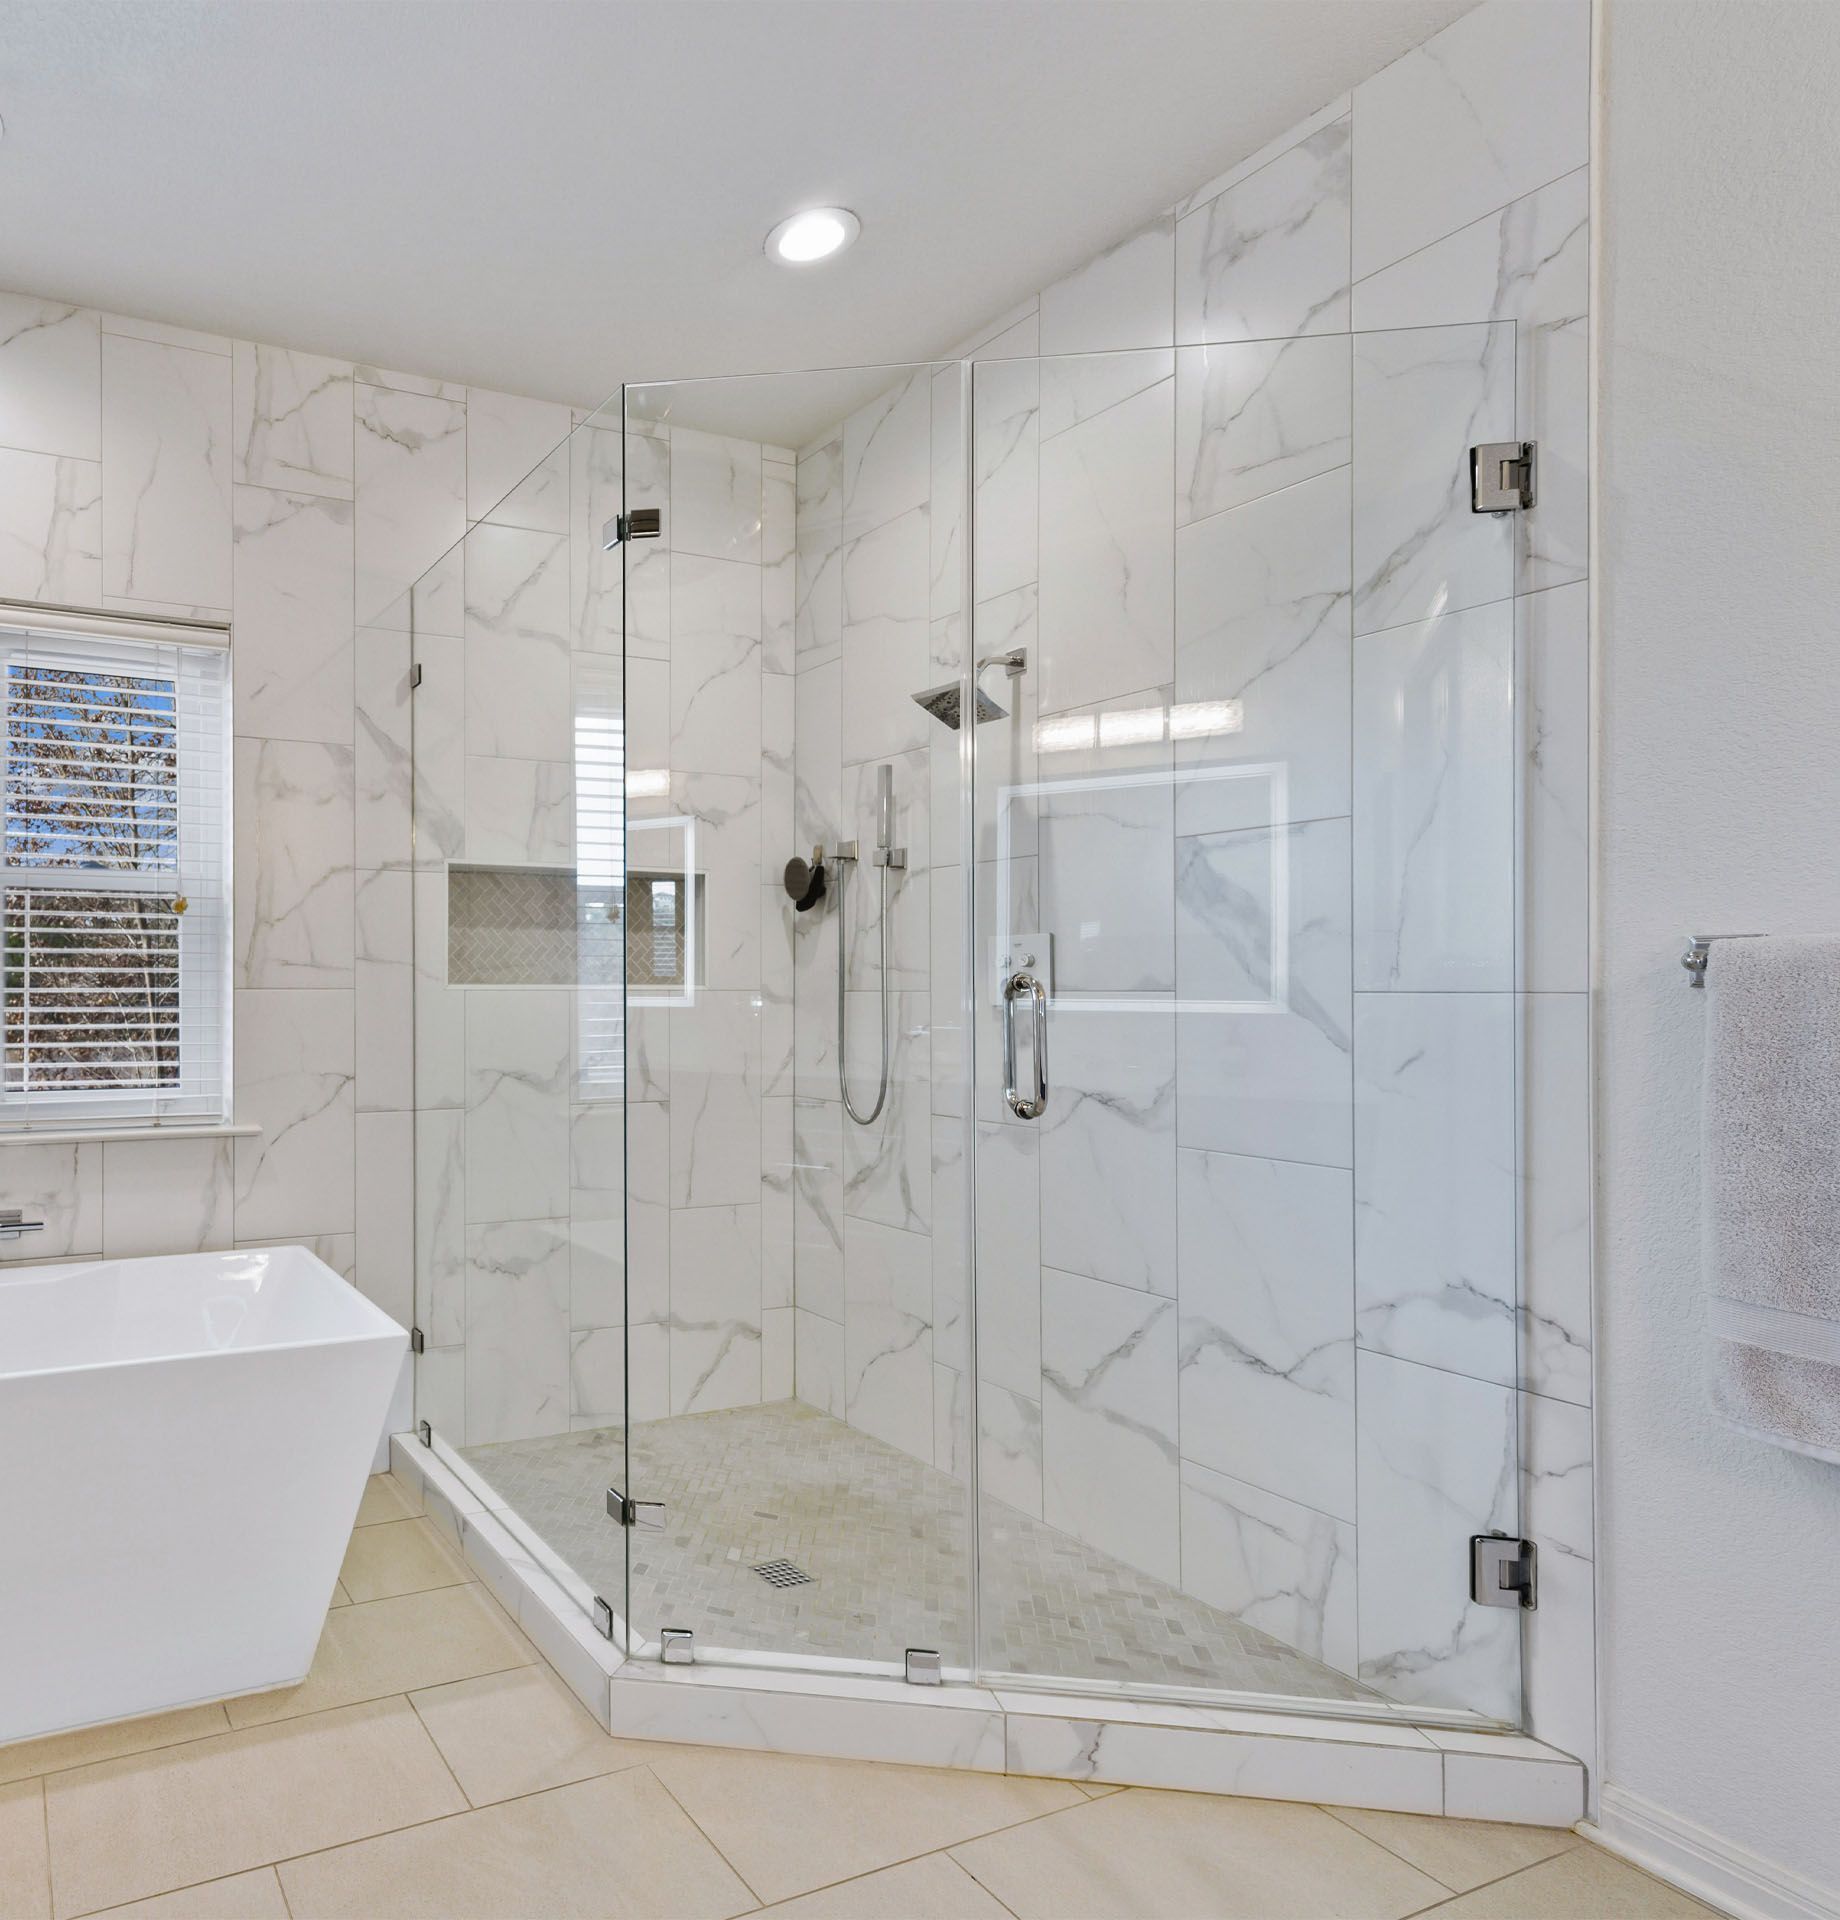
<point x="1699" y="951"/>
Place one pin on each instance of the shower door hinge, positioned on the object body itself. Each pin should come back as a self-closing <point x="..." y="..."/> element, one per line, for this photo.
<point x="922" y="1667"/>
<point x="417" y="1340"/>
<point x="643" y="523"/>
<point x="415" y="676"/>
<point x="603" y="1618"/>
<point x="1501" y="476"/>
<point x="425" y="1433"/>
<point x="635" y="1513"/>
<point x="1502" y="1571"/>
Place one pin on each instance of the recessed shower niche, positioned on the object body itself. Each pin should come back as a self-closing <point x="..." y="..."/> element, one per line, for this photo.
<point x="540" y="927"/>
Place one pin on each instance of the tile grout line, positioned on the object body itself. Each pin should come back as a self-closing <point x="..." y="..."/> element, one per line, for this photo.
<point x="695" y="1823"/>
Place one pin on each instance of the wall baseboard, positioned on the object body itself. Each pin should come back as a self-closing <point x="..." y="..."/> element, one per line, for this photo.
<point x="1703" y="1864"/>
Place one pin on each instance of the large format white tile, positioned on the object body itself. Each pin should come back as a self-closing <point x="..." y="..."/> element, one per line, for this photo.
<point x="887" y="454"/>
<point x="887" y="1165"/>
<point x="715" y="496"/>
<point x="1555" y="1114"/>
<point x="888" y="1363"/>
<point x="295" y="924"/>
<point x="384" y="766"/>
<point x="1268" y="258"/>
<point x="1262" y="661"/>
<point x="1494" y="106"/>
<point x="1267" y="1325"/>
<point x="886" y="601"/>
<point x="293" y="420"/>
<point x="817" y="1206"/>
<point x="715" y="1101"/>
<point x="1557" y="1515"/>
<point x="50" y="528"/>
<point x="818" y="574"/>
<point x="518" y="696"/>
<point x="1008" y="1298"/>
<point x="715" y="1308"/>
<point x="62" y="1186"/>
<point x="517" y="1330"/>
<point x="1438" y="1464"/>
<point x="385" y="1212"/>
<point x="518" y="812"/>
<point x="517" y="468"/>
<point x="1528" y="262"/>
<point x="1434" y="804"/>
<point x="165" y="1196"/>
<point x="1109" y="1457"/>
<point x="779" y="587"/>
<point x="517" y="1102"/>
<point x="1422" y="398"/>
<point x="1262" y="973"/>
<point x="1435" y="1187"/>
<point x="1119" y="299"/>
<point x="292" y="575"/>
<point x="1006" y="477"/>
<point x="410" y="462"/>
<point x="166" y="456"/>
<point x="715" y="665"/>
<point x="1554" y="708"/>
<point x="1283" y="1568"/>
<point x="50" y="378"/>
<point x="1255" y="416"/>
<point x="295" y="1080"/>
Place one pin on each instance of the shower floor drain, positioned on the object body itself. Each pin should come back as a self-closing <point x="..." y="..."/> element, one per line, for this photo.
<point x="783" y="1573"/>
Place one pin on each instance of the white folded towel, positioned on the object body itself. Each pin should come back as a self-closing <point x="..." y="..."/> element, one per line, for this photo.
<point x="1770" y="1181"/>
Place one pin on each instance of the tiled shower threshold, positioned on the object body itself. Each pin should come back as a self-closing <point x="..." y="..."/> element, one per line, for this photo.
<point x="1324" y="1755"/>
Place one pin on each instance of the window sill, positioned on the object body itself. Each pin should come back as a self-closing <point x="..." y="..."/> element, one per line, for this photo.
<point x="84" y="1136"/>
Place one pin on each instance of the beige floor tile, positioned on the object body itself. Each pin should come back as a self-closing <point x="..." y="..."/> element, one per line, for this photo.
<point x="124" y="1829"/>
<point x="382" y="1501"/>
<point x="608" y="1848"/>
<point x="57" y="1751"/>
<point x="25" y="1879"/>
<point x="788" y="1824"/>
<point x="1144" y="1856"/>
<point x="243" y="1896"/>
<point x="520" y="1732"/>
<point x="340" y="1598"/>
<point x="1585" y="1880"/>
<point x="934" y="1887"/>
<point x="399" y="1556"/>
<point x="394" y="1646"/>
<point x="1460" y="1853"/>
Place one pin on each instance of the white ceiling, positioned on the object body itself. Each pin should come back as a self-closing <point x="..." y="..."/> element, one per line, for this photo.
<point x="548" y="196"/>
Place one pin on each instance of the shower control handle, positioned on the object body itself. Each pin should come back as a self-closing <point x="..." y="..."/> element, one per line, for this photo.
<point x="1024" y="986"/>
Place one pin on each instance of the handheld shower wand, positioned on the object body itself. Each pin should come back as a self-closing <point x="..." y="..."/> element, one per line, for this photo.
<point x="888" y="857"/>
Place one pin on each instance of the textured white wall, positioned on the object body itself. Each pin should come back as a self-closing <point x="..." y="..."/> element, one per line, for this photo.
<point x="1719" y="579"/>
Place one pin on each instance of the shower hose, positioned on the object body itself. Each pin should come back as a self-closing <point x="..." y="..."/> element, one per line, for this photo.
<point x="843" y="1071"/>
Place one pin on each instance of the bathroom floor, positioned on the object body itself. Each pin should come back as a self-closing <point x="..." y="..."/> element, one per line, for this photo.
<point x="881" y="1536"/>
<point x="432" y="1765"/>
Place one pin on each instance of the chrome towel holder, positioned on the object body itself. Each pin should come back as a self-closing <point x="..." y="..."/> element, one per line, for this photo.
<point x="1699" y="953"/>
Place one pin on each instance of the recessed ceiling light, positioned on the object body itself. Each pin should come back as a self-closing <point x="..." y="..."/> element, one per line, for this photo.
<point x="816" y="234"/>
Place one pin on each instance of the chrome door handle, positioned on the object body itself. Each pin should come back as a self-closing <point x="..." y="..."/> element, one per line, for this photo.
<point x="1024" y="986"/>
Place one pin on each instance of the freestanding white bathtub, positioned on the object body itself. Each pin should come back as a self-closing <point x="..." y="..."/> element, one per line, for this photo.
<point x="183" y="1446"/>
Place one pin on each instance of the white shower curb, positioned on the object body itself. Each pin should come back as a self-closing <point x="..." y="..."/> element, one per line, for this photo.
<point x="1273" y="1755"/>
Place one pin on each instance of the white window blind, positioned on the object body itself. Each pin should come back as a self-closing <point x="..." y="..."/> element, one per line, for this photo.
<point x="114" y="886"/>
<point x="600" y="881"/>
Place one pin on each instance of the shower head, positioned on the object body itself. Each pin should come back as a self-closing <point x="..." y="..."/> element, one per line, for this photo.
<point x="945" y="705"/>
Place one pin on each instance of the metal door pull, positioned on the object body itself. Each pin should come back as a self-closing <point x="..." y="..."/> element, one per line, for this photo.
<point x="1025" y="986"/>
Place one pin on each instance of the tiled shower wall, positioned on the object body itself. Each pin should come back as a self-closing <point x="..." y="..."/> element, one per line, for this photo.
<point x="519" y="1143"/>
<point x="1188" y="1356"/>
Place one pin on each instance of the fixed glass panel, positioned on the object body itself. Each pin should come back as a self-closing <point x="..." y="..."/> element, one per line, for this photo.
<point x="794" y="1079"/>
<point x="1242" y="957"/>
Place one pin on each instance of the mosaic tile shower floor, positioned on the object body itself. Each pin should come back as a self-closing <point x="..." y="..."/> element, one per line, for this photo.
<point x="882" y="1536"/>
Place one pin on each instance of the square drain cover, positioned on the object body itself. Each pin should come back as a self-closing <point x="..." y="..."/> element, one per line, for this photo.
<point x="783" y="1573"/>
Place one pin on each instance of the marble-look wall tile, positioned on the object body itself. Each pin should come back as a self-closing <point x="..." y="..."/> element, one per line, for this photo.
<point x="520" y="812"/>
<point x="517" y="463"/>
<point x="1494" y="106"/>
<point x="1434" y="808"/>
<point x="1555" y="1105"/>
<point x="517" y="1330"/>
<point x="295" y="1079"/>
<point x="818" y="758"/>
<point x="1079" y="386"/>
<point x="1120" y="298"/>
<point x="1253" y="417"/>
<point x="1107" y="601"/>
<point x="1268" y="258"/>
<point x="164" y="1196"/>
<point x="1109" y="1455"/>
<point x="715" y="1101"/>
<point x="440" y="1225"/>
<point x="518" y="700"/>
<point x="384" y="766"/>
<point x="385" y="1212"/>
<point x="888" y="1164"/>
<point x="950" y="1237"/>
<point x="1008" y="764"/>
<point x="164" y="333"/>
<point x="1006" y="477"/>
<point x="715" y="496"/>
<point x="597" y="1377"/>
<point x="410" y="464"/>
<point x="1528" y="262"/>
<point x="1438" y="1463"/>
<point x="779" y="589"/>
<point x="61" y="1185"/>
<point x="818" y="613"/>
<point x="909" y="889"/>
<point x="779" y="837"/>
<point x="1262" y="973"/>
<point x="1554" y="773"/>
<point x="292" y="420"/>
<point x="1557" y="1515"/>
<point x="1008" y="1301"/>
<point x="50" y="377"/>
<point x="777" y="1172"/>
<point x="1009" y="1449"/>
<point x="715" y="1308"/>
<point x="886" y="655"/>
<point x="818" y="1207"/>
<point x="440" y="1010"/>
<point x="1267" y="1325"/>
<point x="517" y="1103"/>
<point x="1422" y="398"/>
<point x="50" y="528"/>
<point x="888" y="1361"/>
<point x="818" y="1375"/>
<point x="438" y="771"/>
<point x="385" y="981"/>
<point x="1262" y="635"/>
<point x="715" y="665"/>
<point x="1108" y="1147"/>
<point x="887" y="454"/>
<point x="294" y="880"/>
<point x="166" y="459"/>
<point x="1435" y="1187"/>
<point x="1283" y="1568"/>
<point x="778" y="1362"/>
<point x="292" y="579"/>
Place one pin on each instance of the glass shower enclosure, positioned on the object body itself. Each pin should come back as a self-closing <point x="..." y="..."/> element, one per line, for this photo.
<point x="967" y="1040"/>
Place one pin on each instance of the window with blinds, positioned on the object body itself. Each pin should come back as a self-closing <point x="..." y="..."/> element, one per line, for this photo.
<point x="114" y="894"/>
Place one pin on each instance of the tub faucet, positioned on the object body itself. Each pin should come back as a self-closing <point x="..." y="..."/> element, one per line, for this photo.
<point x="13" y="1223"/>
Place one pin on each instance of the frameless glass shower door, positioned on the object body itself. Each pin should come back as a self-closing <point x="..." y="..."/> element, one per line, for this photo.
<point x="1243" y="963"/>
